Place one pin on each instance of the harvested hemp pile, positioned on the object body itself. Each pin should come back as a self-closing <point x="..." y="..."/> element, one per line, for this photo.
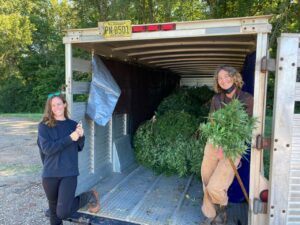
<point x="229" y="128"/>
<point x="167" y="144"/>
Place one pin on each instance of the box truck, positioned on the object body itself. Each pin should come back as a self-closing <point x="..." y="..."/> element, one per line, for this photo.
<point x="148" y="61"/>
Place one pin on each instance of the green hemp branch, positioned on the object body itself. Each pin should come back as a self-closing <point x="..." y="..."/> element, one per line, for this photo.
<point x="229" y="128"/>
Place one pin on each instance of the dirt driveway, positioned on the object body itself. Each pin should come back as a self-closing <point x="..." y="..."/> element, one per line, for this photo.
<point x="22" y="197"/>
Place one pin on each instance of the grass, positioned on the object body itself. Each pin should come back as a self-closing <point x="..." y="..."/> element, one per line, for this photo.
<point x="268" y="126"/>
<point x="267" y="134"/>
<point x="31" y="116"/>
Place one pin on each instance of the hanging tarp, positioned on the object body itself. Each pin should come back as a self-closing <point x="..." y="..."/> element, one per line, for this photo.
<point x="104" y="93"/>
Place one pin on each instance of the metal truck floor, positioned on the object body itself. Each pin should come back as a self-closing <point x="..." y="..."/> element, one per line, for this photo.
<point x="142" y="197"/>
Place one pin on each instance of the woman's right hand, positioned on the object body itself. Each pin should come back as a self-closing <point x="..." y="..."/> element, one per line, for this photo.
<point x="74" y="136"/>
<point x="79" y="130"/>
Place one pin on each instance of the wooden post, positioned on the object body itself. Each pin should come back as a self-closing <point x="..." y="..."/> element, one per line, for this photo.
<point x="239" y="180"/>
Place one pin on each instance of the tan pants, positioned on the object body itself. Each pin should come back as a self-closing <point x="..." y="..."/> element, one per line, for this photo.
<point x="217" y="175"/>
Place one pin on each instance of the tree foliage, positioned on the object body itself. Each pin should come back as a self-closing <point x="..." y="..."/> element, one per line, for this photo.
<point x="139" y="11"/>
<point x="32" y="52"/>
<point x="15" y="29"/>
<point x="35" y="55"/>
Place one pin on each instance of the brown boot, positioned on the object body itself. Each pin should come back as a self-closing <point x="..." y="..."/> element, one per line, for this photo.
<point x="93" y="204"/>
<point x="90" y="200"/>
<point x="207" y="221"/>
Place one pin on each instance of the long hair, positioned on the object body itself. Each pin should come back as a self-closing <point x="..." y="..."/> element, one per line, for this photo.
<point x="233" y="73"/>
<point x="48" y="116"/>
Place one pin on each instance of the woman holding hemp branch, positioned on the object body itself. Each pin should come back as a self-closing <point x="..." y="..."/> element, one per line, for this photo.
<point x="228" y="130"/>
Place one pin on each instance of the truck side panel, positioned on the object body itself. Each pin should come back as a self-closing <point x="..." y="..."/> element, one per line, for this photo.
<point x="284" y="203"/>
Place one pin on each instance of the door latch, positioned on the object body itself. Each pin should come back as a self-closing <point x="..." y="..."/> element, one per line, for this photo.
<point x="262" y="143"/>
<point x="267" y="64"/>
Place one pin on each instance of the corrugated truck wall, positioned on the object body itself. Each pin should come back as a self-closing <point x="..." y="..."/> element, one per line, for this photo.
<point x="142" y="89"/>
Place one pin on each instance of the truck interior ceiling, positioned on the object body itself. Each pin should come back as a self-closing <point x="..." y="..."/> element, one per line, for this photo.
<point x="187" y="57"/>
<point x="151" y="69"/>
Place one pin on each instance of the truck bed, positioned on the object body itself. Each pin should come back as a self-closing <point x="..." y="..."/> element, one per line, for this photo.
<point x="138" y="195"/>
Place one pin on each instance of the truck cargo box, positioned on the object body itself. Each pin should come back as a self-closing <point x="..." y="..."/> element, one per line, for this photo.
<point x="148" y="64"/>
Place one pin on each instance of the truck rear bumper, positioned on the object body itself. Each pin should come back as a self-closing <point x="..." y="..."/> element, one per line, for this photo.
<point x="87" y="219"/>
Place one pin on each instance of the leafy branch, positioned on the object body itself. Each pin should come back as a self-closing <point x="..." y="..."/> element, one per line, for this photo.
<point x="230" y="128"/>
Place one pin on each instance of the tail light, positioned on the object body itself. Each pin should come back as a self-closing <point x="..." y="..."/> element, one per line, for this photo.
<point x="153" y="27"/>
<point x="171" y="26"/>
<point x="264" y="195"/>
<point x="138" y="28"/>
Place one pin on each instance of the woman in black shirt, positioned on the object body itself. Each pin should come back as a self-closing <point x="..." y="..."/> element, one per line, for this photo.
<point x="59" y="140"/>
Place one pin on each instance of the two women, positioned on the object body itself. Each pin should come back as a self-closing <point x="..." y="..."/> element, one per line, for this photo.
<point x="59" y="140"/>
<point x="216" y="171"/>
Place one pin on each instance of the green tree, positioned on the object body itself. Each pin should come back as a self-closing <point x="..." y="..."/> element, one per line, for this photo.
<point x="15" y="29"/>
<point x="43" y="68"/>
<point x="33" y="52"/>
<point x="16" y="34"/>
<point x="286" y="13"/>
<point x="138" y="11"/>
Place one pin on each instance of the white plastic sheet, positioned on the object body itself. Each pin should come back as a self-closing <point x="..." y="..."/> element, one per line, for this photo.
<point x="104" y="93"/>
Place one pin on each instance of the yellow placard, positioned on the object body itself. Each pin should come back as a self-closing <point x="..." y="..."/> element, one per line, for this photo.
<point x="111" y="29"/>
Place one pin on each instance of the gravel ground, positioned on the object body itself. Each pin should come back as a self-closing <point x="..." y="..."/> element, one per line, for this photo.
<point x="22" y="196"/>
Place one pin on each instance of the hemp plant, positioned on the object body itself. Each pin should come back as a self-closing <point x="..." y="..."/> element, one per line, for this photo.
<point x="229" y="128"/>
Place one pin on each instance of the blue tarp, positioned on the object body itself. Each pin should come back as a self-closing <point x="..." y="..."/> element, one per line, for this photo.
<point x="104" y="93"/>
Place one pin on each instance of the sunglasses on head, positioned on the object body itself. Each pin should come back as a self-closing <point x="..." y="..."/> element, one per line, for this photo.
<point x="58" y="93"/>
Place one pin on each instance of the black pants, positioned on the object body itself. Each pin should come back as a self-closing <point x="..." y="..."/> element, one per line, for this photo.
<point x="60" y="192"/>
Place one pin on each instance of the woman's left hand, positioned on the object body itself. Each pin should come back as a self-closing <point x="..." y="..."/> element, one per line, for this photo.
<point x="220" y="153"/>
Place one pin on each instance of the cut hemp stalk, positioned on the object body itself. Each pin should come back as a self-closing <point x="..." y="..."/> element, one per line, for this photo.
<point x="229" y="128"/>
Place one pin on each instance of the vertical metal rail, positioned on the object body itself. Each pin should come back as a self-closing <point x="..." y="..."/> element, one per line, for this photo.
<point x="92" y="136"/>
<point x="92" y="147"/>
<point x="69" y="76"/>
<point x="110" y="139"/>
<point x="260" y="92"/>
<point x="125" y="121"/>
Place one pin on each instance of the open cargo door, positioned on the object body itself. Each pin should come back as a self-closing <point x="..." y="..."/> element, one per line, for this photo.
<point x="192" y="51"/>
<point x="284" y="198"/>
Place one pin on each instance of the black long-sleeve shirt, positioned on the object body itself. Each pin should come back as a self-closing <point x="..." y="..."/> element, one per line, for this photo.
<point x="58" y="152"/>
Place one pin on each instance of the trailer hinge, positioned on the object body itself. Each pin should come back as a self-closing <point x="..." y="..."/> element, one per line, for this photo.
<point x="259" y="207"/>
<point x="262" y="143"/>
<point x="267" y="64"/>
